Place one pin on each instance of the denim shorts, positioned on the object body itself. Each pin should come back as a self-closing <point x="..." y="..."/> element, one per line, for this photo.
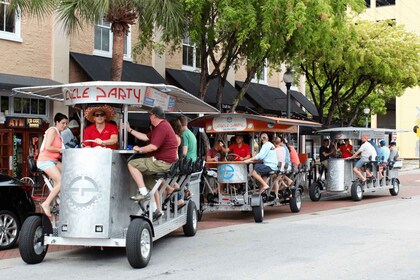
<point x="262" y="169"/>
<point x="44" y="165"/>
<point x="360" y="163"/>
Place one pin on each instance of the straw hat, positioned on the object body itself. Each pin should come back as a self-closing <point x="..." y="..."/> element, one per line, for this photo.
<point x="108" y="110"/>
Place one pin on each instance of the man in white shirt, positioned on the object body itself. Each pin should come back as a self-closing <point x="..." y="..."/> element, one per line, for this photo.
<point x="269" y="157"/>
<point x="365" y="151"/>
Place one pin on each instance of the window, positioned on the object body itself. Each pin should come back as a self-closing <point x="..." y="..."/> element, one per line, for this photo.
<point x="190" y="55"/>
<point x="367" y="3"/>
<point x="28" y="106"/>
<point x="263" y="77"/>
<point x="380" y="3"/>
<point x="4" y="104"/>
<point x="9" y="25"/>
<point x="103" y="40"/>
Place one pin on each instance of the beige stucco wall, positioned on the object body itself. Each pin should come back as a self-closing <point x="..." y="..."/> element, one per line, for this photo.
<point x="405" y="12"/>
<point x="32" y="56"/>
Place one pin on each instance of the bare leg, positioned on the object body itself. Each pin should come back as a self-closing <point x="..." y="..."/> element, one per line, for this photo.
<point x="260" y="179"/>
<point x="359" y="173"/>
<point x="137" y="176"/>
<point x="55" y="174"/>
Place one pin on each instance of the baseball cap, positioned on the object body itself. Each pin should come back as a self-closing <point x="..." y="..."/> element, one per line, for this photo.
<point x="382" y="142"/>
<point x="73" y="124"/>
<point x="158" y="112"/>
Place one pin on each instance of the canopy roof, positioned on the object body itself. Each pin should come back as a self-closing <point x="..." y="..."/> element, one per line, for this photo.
<point x="135" y="95"/>
<point x="357" y="132"/>
<point x="234" y="122"/>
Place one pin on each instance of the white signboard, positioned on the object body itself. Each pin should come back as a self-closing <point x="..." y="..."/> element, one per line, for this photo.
<point x="229" y="124"/>
<point x="153" y="97"/>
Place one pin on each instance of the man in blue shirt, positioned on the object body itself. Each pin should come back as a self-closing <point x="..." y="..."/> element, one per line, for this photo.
<point x="269" y="157"/>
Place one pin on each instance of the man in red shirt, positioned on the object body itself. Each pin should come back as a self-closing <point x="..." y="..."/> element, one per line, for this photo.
<point x="161" y="153"/>
<point x="346" y="149"/>
<point x="241" y="150"/>
<point x="101" y="132"/>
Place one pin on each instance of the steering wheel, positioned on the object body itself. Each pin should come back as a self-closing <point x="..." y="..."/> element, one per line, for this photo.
<point x="91" y="141"/>
<point x="232" y="157"/>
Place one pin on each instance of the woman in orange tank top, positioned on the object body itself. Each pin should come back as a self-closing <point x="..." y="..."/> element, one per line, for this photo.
<point x="48" y="158"/>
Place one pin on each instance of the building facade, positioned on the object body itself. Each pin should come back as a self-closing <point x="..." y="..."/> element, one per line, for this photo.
<point x="404" y="113"/>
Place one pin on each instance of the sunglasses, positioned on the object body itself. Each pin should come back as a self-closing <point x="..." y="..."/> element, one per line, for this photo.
<point x="99" y="115"/>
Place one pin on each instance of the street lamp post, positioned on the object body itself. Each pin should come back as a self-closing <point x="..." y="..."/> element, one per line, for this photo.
<point x="366" y="111"/>
<point x="288" y="79"/>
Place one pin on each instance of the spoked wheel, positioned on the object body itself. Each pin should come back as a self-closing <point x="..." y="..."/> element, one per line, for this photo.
<point x="139" y="243"/>
<point x="395" y="187"/>
<point x="28" y="180"/>
<point x="315" y="191"/>
<point x="9" y="229"/>
<point x="356" y="191"/>
<point x="258" y="212"/>
<point x="31" y="244"/>
<point x="190" y="228"/>
<point x="296" y="202"/>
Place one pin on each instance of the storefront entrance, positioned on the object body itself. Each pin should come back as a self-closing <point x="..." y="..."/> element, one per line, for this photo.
<point x="16" y="145"/>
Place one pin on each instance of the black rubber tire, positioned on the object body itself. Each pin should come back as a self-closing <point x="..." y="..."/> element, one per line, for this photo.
<point x="295" y="202"/>
<point x="199" y="215"/>
<point x="139" y="243"/>
<point x="357" y="191"/>
<point x="190" y="228"/>
<point x="31" y="242"/>
<point x="11" y="225"/>
<point x="395" y="187"/>
<point x="258" y="212"/>
<point x="315" y="191"/>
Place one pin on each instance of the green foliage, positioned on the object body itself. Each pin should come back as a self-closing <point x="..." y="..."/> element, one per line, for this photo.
<point x="368" y="63"/>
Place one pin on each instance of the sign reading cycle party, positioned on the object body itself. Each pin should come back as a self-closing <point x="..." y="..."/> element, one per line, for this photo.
<point x="229" y="124"/>
<point x="131" y="95"/>
<point x="108" y="94"/>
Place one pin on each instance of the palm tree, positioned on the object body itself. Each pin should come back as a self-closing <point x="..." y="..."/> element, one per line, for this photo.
<point x="164" y="15"/>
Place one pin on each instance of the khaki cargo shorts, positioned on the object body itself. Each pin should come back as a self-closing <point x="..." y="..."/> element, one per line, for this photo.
<point x="149" y="166"/>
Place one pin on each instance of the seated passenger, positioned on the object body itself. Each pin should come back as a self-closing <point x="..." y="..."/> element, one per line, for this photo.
<point x="383" y="155"/>
<point x="214" y="154"/>
<point x="281" y="158"/>
<point x="294" y="158"/>
<point x="346" y="149"/>
<point x="365" y="151"/>
<point x="268" y="155"/>
<point x="101" y="131"/>
<point x="161" y="154"/>
<point x="325" y="152"/>
<point x="241" y="150"/>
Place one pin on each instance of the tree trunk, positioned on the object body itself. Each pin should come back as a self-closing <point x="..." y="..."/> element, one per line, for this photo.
<point x="244" y="88"/>
<point x="117" y="51"/>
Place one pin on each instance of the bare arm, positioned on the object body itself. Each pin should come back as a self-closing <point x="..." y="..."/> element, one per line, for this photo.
<point x="135" y="133"/>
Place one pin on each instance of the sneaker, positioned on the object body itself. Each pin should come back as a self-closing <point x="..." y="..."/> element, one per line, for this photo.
<point x="140" y="197"/>
<point x="157" y="214"/>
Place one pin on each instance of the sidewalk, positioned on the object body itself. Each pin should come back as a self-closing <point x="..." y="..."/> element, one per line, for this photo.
<point x="410" y="164"/>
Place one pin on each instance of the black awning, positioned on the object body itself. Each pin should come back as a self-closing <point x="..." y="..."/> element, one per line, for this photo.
<point x="271" y="99"/>
<point x="99" y="69"/>
<point x="305" y="102"/>
<point x="190" y="81"/>
<point x="8" y="81"/>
